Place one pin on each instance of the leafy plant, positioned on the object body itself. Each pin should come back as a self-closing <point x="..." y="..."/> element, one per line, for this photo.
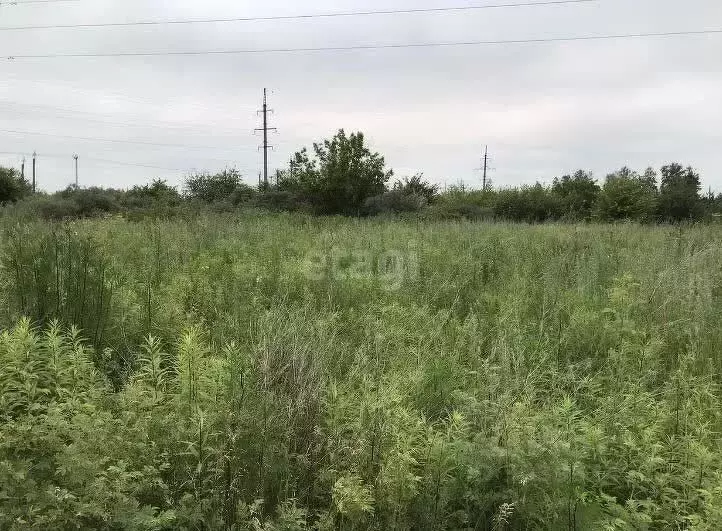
<point x="192" y="374"/>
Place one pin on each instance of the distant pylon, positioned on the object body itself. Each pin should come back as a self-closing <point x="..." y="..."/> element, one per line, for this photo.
<point x="486" y="165"/>
<point x="485" y="169"/>
<point x="35" y="156"/>
<point x="265" y="130"/>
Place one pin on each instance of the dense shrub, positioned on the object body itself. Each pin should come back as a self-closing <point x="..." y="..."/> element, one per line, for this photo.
<point x="457" y="210"/>
<point x="282" y="201"/>
<point x="577" y="195"/>
<point x="416" y="186"/>
<point x="242" y="194"/>
<point x="407" y="196"/>
<point x="92" y="202"/>
<point x="628" y="196"/>
<point x="157" y="194"/>
<point x="394" y="202"/>
<point x="12" y="186"/>
<point x="56" y="208"/>
<point x="223" y="186"/>
<point x="529" y="204"/>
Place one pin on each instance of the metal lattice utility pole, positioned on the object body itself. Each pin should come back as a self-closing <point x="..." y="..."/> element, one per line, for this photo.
<point x="486" y="165"/>
<point x="485" y="169"/>
<point x="266" y="146"/>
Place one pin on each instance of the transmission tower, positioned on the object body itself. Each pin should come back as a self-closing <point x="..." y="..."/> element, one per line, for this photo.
<point x="266" y="146"/>
<point x="485" y="169"/>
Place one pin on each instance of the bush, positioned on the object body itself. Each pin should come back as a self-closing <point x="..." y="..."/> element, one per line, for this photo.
<point x="95" y="201"/>
<point x="12" y="186"/>
<point x="242" y="194"/>
<point x="577" y="195"/>
<point x="529" y="204"/>
<point x="459" y="211"/>
<point x="214" y="188"/>
<point x="56" y="208"/>
<point x="89" y="202"/>
<point x="627" y="196"/>
<point x="396" y="201"/>
<point x="416" y="186"/>
<point x="157" y="193"/>
<point x="282" y="201"/>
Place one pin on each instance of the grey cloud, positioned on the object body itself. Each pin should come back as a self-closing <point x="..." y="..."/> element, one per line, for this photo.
<point x="544" y="109"/>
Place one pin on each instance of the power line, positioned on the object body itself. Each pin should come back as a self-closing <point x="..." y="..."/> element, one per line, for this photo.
<point x="179" y="127"/>
<point x="375" y="46"/>
<point x="168" y="126"/>
<point x="43" y="154"/>
<point x="106" y="161"/>
<point x="23" y="2"/>
<point x="299" y="17"/>
<point x="119" y="163"/>
<point x="113" y="140"/>
<point x="119" y="95"/>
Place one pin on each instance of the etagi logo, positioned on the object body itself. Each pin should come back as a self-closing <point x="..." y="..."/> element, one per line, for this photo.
<point x="390" y="267"/>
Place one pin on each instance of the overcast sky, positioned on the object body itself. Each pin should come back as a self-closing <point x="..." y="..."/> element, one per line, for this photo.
<point x="543" y="109"/>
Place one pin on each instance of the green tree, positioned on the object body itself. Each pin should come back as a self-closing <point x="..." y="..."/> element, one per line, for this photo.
<point x="649" y="178"/>
<point x="12" y="186"/>
<point x="340" y="176"/>
<point x="577" y="194"/>
<point x="626" y="195"/>
<point x="679" y="193"/>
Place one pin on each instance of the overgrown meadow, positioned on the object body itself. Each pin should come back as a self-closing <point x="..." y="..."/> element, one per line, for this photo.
<point x="283" y="372"/>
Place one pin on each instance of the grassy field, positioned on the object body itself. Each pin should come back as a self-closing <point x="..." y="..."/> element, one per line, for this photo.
<point x="288" y="373"/>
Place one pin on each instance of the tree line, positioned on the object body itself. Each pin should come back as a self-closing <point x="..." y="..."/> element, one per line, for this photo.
<point x="343" y="176"/>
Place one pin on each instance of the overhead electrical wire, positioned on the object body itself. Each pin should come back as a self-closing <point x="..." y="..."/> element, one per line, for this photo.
<point x="134" y="164"/>
<point x="13" y="3"/>
<point x="124" y="97"/>
<point x="268" y="18"/>
<point x="42" y="155"/>
<point x="362" y="47"/>
<point x="63" y="113"/>
<point x="116" y="141"/>
<point x="106" y="161"/>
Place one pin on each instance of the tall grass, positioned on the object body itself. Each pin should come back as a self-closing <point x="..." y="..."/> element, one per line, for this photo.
<point x="268" y="372"/>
